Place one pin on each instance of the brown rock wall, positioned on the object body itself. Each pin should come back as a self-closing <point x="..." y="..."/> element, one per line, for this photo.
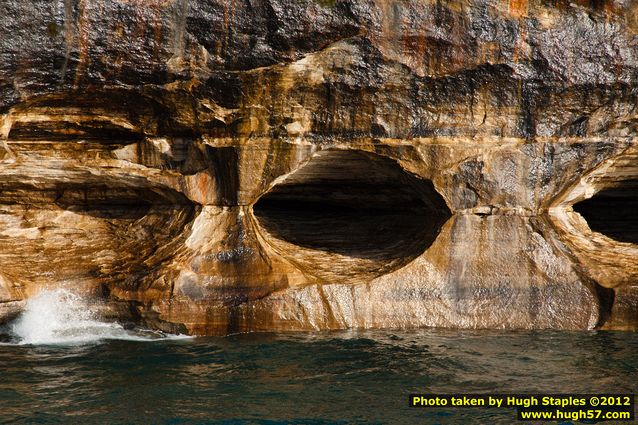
<point x="215" y="167"/>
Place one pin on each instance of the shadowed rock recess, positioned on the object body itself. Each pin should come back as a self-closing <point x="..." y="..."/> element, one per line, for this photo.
<point x="355" y="208"/>
<point x="613" y="212"/>
<point x="215" y="167"/>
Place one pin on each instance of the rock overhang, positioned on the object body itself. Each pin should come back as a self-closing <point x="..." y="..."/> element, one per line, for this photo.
<point x="210" y="107"/>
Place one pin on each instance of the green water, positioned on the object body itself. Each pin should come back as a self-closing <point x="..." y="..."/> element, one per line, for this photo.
<point x="308" y="378"/>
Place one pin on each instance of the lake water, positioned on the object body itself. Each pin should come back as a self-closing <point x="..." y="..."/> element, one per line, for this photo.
<point x="353" y="377"/>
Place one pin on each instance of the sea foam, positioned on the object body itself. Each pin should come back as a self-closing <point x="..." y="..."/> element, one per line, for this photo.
<point x="62" y="317"/>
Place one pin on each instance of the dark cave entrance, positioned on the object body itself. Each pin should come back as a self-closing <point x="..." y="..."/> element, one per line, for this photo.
<point x="613" y="211"/>
<point x="120" y="203"/>
<point x="356" y="204"/>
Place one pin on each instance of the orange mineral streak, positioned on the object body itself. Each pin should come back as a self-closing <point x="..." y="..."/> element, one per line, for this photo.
<point x="204" y="182"/>
<point x="520" y="51"/>
<point x="415" y="46"/>
<point x="84" y="28"/>
<point x="157" y="30"/>
<point x="518" y="8"/>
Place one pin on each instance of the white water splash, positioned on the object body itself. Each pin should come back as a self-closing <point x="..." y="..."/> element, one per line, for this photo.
<point x="62" y="317"/>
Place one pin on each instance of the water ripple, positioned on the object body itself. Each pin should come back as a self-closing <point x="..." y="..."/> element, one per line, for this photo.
<point x="304" y="378"/>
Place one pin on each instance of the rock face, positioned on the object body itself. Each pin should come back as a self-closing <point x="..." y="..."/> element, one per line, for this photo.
<point x="213" y="167"/>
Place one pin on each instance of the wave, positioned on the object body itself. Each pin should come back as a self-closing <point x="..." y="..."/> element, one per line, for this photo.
<point x="61" y="317"/>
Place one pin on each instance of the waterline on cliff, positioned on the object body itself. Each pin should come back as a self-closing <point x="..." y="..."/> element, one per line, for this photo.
<point x="61" y="317"/>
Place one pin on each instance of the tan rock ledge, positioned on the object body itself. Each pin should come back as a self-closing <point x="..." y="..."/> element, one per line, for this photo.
<point x="278" y="165"/>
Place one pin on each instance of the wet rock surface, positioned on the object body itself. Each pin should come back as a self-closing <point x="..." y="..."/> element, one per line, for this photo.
<point x="216" y="167"/>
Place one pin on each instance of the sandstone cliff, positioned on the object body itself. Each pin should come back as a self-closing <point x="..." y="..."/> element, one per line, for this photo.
<point x="213" y="166"/>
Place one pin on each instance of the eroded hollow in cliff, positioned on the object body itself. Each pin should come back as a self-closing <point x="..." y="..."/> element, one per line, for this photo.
<point x="613" y="211"/>
<point x="108" y="117"/>
<point x="120" y="203"/>
<point x="106" y="200"/>
<point x="356" y="204"/>
<point x="111" y="228"/>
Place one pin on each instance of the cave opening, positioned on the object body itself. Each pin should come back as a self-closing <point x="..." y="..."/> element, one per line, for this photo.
<point x="108" y="203"/>
<point x="613" y="211"/>
<point x="356" y="204"/>
<point x="109" y="199"/>
<point x="120" y="203"/>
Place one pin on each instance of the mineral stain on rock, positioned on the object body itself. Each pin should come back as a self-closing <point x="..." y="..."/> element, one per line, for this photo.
<point x="216" y="167"/>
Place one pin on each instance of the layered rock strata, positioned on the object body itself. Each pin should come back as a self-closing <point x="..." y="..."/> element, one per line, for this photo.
<point x="216" y="167"/>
